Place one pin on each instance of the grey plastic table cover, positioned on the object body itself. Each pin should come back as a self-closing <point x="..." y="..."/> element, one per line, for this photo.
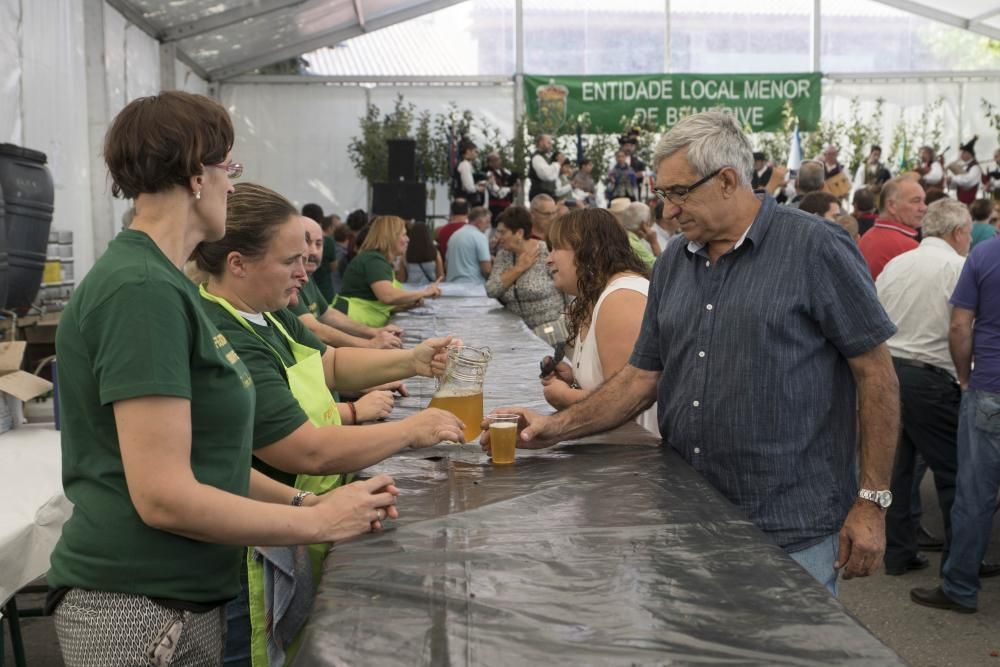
<point x="607" y="551"/>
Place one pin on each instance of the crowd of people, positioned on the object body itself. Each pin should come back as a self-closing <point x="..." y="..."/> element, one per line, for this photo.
<point x="261" y="335"/>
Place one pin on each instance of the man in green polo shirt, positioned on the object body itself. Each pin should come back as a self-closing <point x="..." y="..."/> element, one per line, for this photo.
<point x="329" y="324"/>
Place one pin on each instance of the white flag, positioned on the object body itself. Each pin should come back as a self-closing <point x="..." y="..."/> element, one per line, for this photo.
<point x="795" y="151"/>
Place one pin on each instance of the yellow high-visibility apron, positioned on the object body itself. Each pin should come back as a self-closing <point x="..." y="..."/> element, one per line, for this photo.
<point x="307" y="382"/>
<point x="370" y="313"/>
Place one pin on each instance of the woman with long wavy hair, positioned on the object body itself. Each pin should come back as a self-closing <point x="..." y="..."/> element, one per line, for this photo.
<point x="590" y="258"/>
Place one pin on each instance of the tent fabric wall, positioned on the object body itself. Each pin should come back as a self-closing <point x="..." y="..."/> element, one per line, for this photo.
<point x="132" y="61"/>
<point x="54" y="110"/>
<point x="43" y="97"/>
<point x="186" y="79"/>
<point x="132" y="69"/>
<point x="10" y="72"/>
<point x="961" y="113"/>
<point x="294" y="137"/>
<point x="974" y="118"/>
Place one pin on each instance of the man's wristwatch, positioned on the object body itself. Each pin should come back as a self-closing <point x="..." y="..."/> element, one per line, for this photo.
<point x="881" y="498"/>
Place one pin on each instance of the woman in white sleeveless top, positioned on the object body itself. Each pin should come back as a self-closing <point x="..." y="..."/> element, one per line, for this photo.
<point x="590" y="258"/>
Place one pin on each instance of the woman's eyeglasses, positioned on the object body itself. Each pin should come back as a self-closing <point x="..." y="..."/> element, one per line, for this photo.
<point x="234" y="170"/>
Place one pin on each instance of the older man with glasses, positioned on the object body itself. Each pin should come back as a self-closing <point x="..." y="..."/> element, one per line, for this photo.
<point x="762" y="337"/>
<point x="543" y="212"/>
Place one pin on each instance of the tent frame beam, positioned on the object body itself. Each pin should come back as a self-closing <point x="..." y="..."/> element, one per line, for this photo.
<point x="362" y="80"/>
<point x="223" y="19"/>
<point x="359" y="12"/>
<point x="965" y="76"/>
<point x="972" y="25"/>
<point x="136" y="18"/>
<point x="328" y="38"/>
<point x="936" y="76"/>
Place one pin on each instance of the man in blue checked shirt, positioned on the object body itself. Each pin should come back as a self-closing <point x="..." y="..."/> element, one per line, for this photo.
<point x="763" y="344"/>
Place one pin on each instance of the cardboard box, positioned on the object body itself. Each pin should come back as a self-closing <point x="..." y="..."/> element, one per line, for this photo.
<point x="16" y="386"/>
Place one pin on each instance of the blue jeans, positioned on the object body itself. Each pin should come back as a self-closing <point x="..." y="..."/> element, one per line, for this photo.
<point x="976" y="493"/>
<point x="238" y="625"/>
<point x="818" y="561"/>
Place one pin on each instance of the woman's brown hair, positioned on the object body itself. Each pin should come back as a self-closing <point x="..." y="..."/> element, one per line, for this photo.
<point x="253" y="216"/>
<point x="602" y="251"/>
<point x="421" y="248"/>
<point x="163" y="140"/>
<point x="515" y="218"/>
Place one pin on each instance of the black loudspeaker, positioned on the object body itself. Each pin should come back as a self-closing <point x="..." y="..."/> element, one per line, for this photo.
<point x="402" y="159"/>
<point x="407" y="200"/>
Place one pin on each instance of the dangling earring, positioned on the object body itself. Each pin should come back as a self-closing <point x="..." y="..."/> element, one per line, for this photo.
<point x="197" y="195"/>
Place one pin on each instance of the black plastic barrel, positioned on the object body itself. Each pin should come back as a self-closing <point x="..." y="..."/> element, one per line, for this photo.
<point x="27" y="197"/>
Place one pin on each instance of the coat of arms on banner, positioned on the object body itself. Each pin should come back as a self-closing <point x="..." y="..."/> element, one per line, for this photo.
<point x="552" y="105"/>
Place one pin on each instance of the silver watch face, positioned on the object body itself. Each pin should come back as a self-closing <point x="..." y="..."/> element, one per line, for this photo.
<point x="883" y="498"/>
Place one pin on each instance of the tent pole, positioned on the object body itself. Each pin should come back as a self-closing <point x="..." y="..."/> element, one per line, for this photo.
<point x="103" y="225"/>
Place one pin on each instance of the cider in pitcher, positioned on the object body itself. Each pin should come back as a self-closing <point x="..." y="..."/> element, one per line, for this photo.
<point x="460" y="391"/>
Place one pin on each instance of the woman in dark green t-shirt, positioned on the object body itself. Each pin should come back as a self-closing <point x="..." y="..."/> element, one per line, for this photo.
<point x="156" y="410"/>
<point x="252" y="272"/>
<point x="370" y="291"/>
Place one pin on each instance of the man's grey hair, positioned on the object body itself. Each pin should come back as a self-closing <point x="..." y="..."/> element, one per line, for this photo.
<point x="478" y="213"/>
<point x="945" y="216"/>
<point x="811" y="177"/>
<point x="541" y="199"/>
<point x="634" y="215"/>
<point x="890" y="191"/>
<point x="714" y="140"/>
<point x="540" y="137"/>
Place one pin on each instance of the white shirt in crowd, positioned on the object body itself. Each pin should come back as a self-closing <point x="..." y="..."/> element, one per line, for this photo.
<point x="972" y="177"/>
<point x="587" y="369"/>
<point x="914" y="289"/>
<point x="994" y="185"/>
<point x="465" y="173"/>
<point x="936" y="174"/>
<point x="546" y="171"/>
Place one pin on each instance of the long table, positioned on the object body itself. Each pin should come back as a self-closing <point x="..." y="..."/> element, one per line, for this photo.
<point x="609" y="550"/>
<point x="32" y="505"/>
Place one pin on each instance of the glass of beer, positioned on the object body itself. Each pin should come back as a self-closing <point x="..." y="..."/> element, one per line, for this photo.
<point x="503" y="437"/>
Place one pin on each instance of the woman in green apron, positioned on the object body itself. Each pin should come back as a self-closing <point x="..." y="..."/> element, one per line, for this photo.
<point x="298" y="437"/>
<point x="156" y="409"/>
<point x="370" y="290"/>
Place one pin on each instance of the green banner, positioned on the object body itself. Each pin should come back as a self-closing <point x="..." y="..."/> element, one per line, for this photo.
<point x="755" y="99"/>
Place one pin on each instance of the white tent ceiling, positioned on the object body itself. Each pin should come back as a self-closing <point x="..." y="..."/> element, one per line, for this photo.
<point x="220" y="39"/>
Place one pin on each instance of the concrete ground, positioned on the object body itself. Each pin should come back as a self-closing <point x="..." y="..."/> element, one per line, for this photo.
<point x="928" y="637"/>
<point x="923" y="637"/>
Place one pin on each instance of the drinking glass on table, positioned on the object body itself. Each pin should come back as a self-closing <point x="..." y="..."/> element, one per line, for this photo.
<point x="503" y="437"/>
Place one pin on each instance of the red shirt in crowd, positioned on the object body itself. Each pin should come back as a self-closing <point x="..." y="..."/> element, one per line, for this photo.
<point x="445" y="233"/>
<point x="885" y="240"/>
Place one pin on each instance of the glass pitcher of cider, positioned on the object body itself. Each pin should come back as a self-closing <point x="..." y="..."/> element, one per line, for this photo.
<point x="460" y="391"/>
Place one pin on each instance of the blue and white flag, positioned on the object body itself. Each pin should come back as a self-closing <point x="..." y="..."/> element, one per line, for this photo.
<point x="795" y="151"/>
